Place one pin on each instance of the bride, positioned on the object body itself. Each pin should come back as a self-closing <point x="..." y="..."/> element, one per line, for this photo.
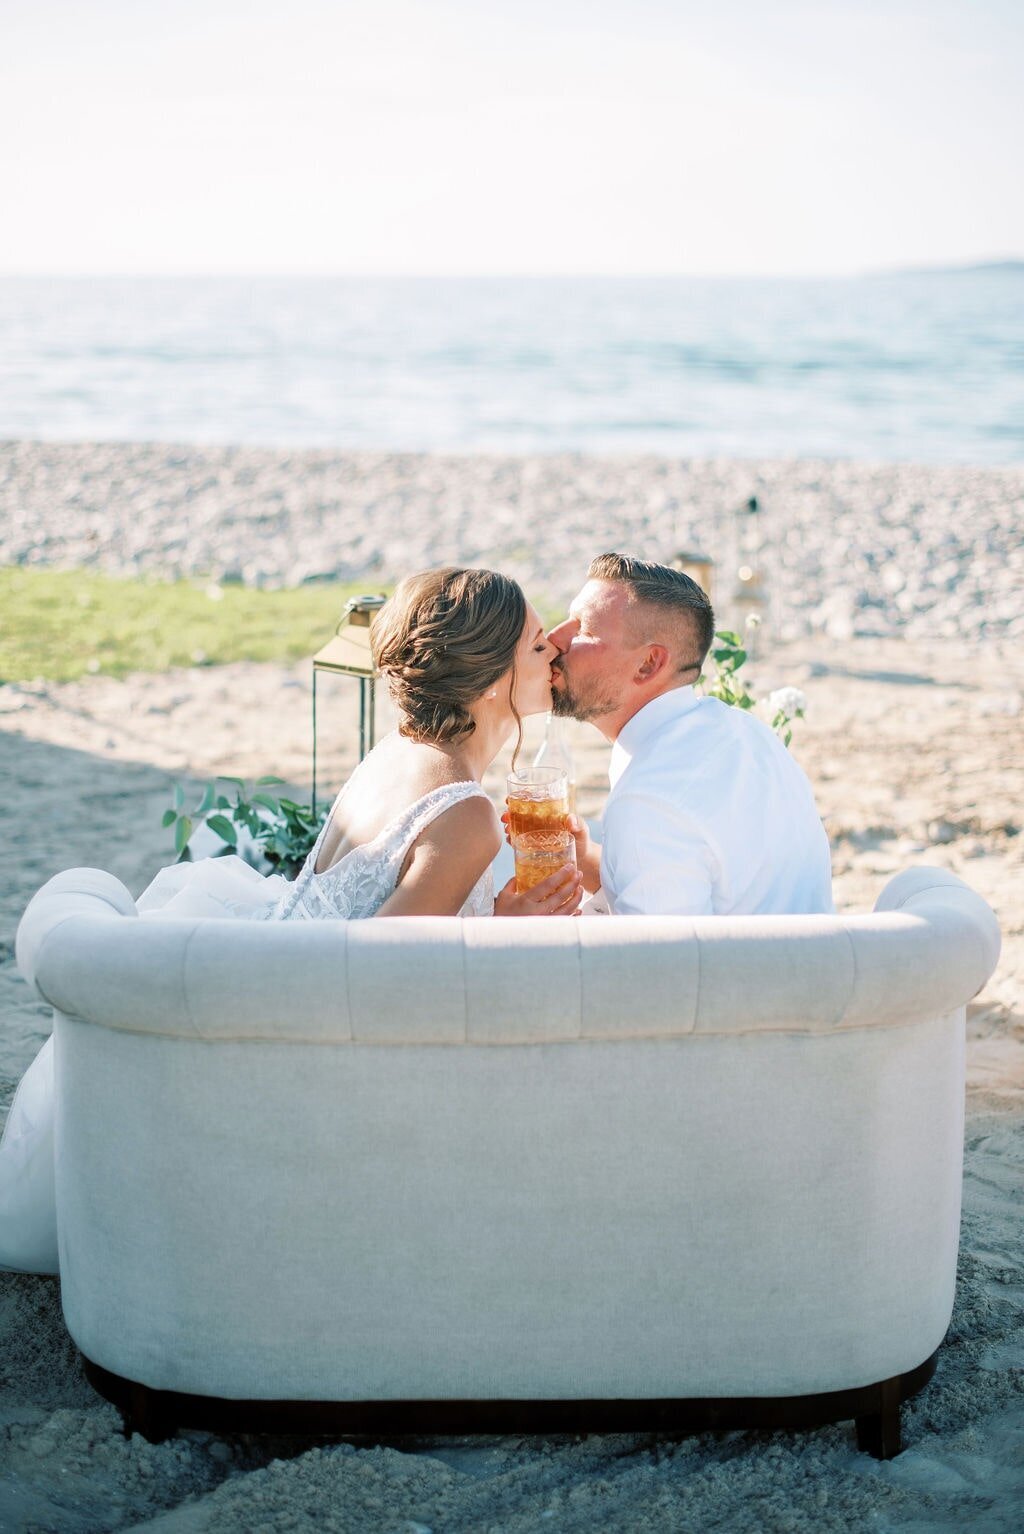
<point x="412" y="832"/>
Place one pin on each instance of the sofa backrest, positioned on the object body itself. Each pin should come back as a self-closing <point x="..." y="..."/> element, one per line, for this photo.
<point x="930" y="945"/>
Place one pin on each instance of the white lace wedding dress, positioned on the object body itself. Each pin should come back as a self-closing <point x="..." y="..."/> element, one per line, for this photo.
<point x="357" y="885"/>
<point x="354" y="887"/>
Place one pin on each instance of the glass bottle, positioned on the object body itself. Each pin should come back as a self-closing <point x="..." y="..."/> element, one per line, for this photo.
<point x="555" y="752"/>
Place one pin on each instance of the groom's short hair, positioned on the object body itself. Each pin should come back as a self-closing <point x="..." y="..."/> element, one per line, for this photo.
<point x="660" y="586"/>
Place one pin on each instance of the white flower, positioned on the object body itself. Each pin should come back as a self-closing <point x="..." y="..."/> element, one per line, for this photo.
<point x="786" y="700"/>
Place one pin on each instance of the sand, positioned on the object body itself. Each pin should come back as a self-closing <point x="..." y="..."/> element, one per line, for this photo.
<point x="914" y="749"/>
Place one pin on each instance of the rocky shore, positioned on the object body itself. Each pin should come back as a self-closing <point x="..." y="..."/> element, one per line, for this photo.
<point x="842" y="549"/>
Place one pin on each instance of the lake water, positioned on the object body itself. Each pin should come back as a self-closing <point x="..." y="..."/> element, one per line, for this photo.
<point x="926" y="367"/>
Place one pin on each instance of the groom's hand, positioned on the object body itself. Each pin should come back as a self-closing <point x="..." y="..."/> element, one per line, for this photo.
<point x="588" y="854"/>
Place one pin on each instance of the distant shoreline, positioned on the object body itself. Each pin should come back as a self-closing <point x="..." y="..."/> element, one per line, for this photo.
<point x="184" y="447"/>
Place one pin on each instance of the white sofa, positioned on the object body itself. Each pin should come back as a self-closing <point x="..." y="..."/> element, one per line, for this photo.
<point x="426" y="1173"/>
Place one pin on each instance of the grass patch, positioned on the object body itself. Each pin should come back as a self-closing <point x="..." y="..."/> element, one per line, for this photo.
<point x="63" y="624"/>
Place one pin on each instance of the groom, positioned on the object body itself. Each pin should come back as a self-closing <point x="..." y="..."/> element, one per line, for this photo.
<point x="708" y="813"/>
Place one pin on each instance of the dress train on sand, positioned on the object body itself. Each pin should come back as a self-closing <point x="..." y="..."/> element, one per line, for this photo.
<point x="28" y="1214"/>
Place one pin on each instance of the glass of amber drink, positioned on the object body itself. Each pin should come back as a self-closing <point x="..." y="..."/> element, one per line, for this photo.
<point x="538" y="807"/>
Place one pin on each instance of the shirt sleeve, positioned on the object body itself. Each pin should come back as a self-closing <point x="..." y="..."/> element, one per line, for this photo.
<point x="654" y="860"/>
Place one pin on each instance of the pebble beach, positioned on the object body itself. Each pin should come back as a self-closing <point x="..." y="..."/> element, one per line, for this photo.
<point x="894" y="598"/>
<point x="848" y="549"/>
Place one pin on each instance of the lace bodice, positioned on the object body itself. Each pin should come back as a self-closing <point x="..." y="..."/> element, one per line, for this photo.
<point x="359" y="883"/>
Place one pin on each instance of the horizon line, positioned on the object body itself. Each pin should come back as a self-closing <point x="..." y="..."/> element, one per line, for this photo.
<point x="207" y="275"/>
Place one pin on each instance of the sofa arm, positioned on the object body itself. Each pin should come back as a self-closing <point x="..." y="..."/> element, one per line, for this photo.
<point x="940" y="895"/>
<point x="75" y="892"/>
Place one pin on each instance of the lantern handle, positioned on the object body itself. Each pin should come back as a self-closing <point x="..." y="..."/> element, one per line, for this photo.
<point x="359" y="611"/>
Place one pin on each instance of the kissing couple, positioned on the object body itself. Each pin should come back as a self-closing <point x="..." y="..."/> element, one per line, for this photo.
<point x="708" y="813"/>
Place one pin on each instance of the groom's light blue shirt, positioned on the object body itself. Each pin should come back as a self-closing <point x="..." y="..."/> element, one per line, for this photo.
<point x="709" y="814"/>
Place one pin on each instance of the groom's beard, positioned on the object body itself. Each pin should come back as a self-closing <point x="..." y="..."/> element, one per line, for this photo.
<point x="584" y="703"/>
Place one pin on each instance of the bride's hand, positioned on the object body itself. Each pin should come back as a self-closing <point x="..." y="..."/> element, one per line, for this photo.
<point x="557" y="895"/>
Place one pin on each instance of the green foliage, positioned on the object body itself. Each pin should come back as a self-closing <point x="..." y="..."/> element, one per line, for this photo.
<point x="293" y="830"/>
<point x="285" y="831"/>
<point x="780" y="724"/>
<point x="63" y="624"/>
<point x="729" y="657"/>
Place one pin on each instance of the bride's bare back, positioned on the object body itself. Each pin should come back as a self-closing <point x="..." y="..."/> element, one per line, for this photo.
<point x="396" y="774"/>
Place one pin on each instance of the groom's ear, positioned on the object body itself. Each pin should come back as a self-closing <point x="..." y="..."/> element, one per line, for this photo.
<point x="655" y="662"/>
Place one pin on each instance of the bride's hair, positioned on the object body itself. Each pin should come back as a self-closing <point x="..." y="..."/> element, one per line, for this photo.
<point x="441" y="640"/>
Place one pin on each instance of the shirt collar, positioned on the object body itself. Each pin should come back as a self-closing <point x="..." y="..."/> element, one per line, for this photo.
<point x="646" y="723"/>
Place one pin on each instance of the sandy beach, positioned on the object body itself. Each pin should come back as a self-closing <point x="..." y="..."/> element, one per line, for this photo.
<point x="895" y="604"/>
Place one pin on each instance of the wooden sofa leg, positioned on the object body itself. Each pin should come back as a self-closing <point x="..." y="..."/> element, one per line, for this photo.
<point x="878" y="1433"/>
<point x="144" y="1413"/>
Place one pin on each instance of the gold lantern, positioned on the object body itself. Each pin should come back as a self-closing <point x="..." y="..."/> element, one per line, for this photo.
<point x="697" y="566"/>
<point x="348" y="654"/>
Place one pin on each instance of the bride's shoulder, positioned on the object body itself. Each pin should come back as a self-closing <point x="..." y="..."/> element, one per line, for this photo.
<point x="469" y="819"/>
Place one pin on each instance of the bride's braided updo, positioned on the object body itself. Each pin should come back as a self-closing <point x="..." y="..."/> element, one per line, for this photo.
<point x="441" y="640"/>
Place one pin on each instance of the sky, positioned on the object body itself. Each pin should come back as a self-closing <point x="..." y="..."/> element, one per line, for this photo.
<point x="508" y="136"/>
